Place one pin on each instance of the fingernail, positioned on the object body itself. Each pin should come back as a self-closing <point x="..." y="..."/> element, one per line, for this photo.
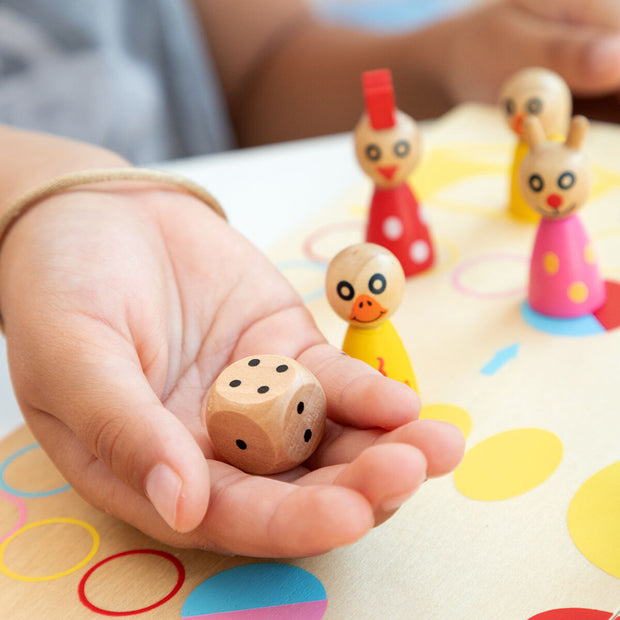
<point x="163" y="488"/>
<point x="395" y="503"/>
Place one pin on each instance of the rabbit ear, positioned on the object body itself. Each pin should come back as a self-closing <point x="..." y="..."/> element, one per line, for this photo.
<point x="534" y="132"/>
<point x="577" y="132"/>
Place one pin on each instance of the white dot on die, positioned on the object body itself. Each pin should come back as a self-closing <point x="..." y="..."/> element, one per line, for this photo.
<point x="419" y="251"/>
<point x="392" y="227"/>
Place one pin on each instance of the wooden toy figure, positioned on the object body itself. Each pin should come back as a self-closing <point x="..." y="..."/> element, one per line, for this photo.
<point x="265" y="414"/>
<point x="387" y="146"/>
<point x="364" y="286"/>
<point x="542" y="93"/>
<point x="555" y="180"/>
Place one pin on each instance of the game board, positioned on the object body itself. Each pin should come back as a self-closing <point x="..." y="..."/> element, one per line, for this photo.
<point x="530" y="522"/>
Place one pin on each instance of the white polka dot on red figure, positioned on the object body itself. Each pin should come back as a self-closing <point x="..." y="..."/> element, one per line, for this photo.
<point x="419" y="251"/>
<point x="392" y="227"/>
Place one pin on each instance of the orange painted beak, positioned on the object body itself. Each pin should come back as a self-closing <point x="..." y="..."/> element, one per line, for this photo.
<point x="366" y="309"/>
<point x="387" y="171"/>
<point x="516" y="123"/>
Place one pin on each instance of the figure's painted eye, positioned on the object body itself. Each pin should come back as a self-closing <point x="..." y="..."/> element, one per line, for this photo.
<point x="534" y="105"/>
<point x="373" y="152"/>
<point x="509" y="106"/>
<point x="402" y="148"/>
<point x="345" y="290"/>
<point x="377" y="284"/>
<point x="536" y="183"/>
<point x="566" y="180"/>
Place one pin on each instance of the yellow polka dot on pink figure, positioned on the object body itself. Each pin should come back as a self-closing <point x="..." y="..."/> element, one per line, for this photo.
<point x="594" y="519"/>
<point x="508" y="464"/>
<point x="555" y="180"/>
<point x="563" y="282"/>
<point x="578" y="292"/>
<point x="551" y="262"/>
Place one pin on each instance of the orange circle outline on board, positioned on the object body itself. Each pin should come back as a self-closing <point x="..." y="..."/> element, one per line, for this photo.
<point x="89" y="528"/>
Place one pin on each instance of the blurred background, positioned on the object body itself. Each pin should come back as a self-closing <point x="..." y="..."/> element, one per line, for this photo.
<point x="387" y="15"/>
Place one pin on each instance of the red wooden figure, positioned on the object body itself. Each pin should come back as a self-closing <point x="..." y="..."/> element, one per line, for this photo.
<point x="387" y="146"/>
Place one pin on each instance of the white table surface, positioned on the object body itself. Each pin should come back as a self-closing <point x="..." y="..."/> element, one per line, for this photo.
<point x="266" y="192"/>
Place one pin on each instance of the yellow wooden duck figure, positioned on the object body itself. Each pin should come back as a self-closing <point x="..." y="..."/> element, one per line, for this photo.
<point x="365" y="285"/>
<point x="542" y="93"/>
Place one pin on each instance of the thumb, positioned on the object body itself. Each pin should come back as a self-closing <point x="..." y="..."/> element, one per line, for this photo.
<point x="112" y="412"/>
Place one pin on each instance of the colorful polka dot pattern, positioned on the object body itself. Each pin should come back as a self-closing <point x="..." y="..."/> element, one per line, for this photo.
<point x="564" y="278"/>
<point x="551" y="263"/>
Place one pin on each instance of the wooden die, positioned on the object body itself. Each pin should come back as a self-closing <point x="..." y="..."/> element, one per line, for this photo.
<point x="265" y="414"/>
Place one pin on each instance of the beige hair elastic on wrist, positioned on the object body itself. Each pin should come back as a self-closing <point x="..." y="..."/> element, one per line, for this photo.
<point x="87" y="177"/>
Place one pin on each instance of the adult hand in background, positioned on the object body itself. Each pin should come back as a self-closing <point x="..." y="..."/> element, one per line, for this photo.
<point x="579" y="40"/>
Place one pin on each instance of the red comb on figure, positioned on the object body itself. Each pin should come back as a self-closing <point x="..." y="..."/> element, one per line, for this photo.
<point x="379" y="97"/>
<point x="387" y="146"/>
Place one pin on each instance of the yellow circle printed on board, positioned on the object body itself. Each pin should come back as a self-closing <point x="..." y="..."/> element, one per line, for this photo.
<point x="448" y="413"/>
<point x="508" y="464"/>
<point x="594" y="519"/>
<point x="89" y="528"/>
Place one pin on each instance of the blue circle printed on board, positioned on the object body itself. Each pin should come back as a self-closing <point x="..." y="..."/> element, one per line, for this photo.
<point x="266" y="590"/>
<point x="18" y="492"/>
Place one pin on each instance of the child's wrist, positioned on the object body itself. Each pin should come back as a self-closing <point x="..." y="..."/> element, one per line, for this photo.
<point x="108" y="179"/>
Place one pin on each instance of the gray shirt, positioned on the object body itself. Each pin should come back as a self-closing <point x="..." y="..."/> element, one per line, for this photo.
<point x="134" y="76"/>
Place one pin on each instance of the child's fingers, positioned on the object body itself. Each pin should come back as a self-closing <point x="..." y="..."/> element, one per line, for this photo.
<point x="248" y="515"/>
<point x="253" y="515"/>
<point x="101" y="394"/>
<point x="385" y="474"/>
<point x="358" y="395"/>
<point x="259" y="516"/>
<point x="441" y="443"/>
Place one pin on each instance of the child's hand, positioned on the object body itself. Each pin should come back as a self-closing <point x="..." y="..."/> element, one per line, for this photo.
<point x="579" y="40"/>
<point x="121" y="306"/>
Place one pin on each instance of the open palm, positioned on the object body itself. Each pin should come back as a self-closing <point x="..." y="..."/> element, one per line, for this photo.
<point x="121" y="306"/>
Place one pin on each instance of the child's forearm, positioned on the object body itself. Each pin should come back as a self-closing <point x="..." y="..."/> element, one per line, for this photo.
<point x="312" y="85"/>
<point x="29" y="159"/>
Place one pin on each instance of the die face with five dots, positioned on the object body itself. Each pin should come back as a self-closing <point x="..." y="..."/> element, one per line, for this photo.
<point x="265" y="414"/>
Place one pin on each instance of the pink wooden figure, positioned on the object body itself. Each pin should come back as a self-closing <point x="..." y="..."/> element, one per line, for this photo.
<point x="387" y="146"/>
<point x="555" y="180"/>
